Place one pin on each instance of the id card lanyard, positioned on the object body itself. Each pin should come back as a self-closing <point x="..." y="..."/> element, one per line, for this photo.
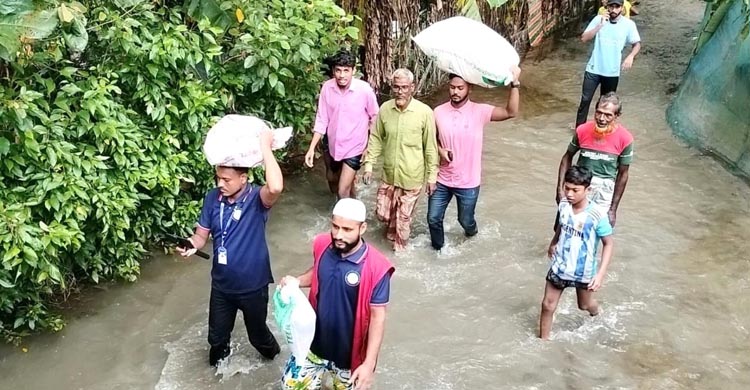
<point x="236" y="214"/>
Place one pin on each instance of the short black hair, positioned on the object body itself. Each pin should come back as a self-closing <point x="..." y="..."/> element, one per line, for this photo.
<point x="239" y="170"/>
<point x="452" y="76"/>
<point x="580" y="176"/>
<point x="343" y="58"/>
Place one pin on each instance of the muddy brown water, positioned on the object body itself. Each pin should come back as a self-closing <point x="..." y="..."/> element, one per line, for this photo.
<point x="676" y="312"/>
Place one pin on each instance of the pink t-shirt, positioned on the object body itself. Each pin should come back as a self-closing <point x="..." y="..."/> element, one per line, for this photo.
<point x="346" y="116"/>
<point x="460" y="130"/>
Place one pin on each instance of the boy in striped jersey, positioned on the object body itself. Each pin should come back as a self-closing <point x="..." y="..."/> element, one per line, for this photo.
<point x="573" y="248"/>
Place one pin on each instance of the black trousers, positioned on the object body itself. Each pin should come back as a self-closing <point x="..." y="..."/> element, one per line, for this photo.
<point x="222" y="313"/>
<point x="590" y="82"/>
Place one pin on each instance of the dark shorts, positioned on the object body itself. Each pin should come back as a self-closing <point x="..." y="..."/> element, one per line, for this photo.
<point x="335" y="166"/>
<point x="353" y="162"/>
<point x="561" y="284"/>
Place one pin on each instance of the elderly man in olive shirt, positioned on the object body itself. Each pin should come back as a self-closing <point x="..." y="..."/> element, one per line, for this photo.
<point x="405" y="136"/>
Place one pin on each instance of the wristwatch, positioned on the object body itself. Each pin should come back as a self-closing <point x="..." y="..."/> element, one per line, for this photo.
<point x="515" y="84"/>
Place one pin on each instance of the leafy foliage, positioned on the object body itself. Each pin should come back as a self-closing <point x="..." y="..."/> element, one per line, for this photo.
<point x="102" y="124"/>
<point x="470" y="8"/>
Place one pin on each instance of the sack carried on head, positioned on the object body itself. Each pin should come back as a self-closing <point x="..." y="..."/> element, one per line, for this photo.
<point x="469" y="49"/>
<point x="235" y="141"/>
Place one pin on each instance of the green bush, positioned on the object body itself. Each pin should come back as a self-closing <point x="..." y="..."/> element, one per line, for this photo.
<point x="102" y="119"/>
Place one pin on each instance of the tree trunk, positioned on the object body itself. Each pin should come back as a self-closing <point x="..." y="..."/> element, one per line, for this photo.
<point x="390" y="24"/>
<point x="378" y="42"/>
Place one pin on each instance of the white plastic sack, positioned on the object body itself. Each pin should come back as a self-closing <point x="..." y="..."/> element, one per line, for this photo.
<point x="295" y="317"/>
<point x="469" y="49"/>
<point x="235" y="141"/>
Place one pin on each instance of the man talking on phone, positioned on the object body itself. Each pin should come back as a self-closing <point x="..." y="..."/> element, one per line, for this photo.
<point x="611" y="32"/>
<point x="234" y="215"/>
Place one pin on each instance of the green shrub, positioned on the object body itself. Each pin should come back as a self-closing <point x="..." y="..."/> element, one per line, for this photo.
<point x="101" y="127"/>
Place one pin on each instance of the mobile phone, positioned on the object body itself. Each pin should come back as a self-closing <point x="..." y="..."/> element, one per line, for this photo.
<point x="183" y="242"/>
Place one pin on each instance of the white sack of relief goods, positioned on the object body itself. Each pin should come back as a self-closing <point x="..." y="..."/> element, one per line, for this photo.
<point x="235" y="141"/>
<point x="469" y="49"/>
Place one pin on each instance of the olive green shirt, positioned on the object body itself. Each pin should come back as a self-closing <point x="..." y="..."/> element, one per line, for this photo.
<point x="407" y="141"/>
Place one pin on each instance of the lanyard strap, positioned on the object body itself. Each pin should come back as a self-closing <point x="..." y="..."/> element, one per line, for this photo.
<point x="221" y="217"/>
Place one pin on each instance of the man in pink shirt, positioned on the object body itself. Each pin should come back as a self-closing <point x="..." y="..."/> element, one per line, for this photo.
<point x="346" y="109"/>
<point x="460" y="126"/>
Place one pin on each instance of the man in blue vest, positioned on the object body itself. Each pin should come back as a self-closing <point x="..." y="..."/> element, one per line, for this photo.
<point x="235" y="215"/>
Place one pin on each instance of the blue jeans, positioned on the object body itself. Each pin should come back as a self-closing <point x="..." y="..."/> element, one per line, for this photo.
<point x="438" y="203"/>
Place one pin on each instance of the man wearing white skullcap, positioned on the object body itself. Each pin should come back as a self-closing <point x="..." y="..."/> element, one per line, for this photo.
<point x="349" y="290"/>
<point x="349" y="208"/>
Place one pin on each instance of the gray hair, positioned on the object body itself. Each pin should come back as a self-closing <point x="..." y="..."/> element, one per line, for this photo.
<point x="611" y="98"/>
<point x="403" y="73"/>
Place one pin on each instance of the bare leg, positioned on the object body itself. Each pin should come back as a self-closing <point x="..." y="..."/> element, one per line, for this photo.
<point x="549" y="305"/>
<point x="332" y="176"/>
<point x="587" y="302"/>
<point x="346" y="182"/>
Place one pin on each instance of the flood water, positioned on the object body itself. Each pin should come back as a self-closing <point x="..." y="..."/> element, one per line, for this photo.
<point x="676" y="304"/>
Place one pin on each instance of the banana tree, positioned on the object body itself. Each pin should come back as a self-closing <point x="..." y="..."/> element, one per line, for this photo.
<point x="470" y="8"/>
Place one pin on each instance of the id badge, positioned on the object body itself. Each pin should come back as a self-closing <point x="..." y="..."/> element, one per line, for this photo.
<point x="236" y="214"/>
<point x="222" y="255"/>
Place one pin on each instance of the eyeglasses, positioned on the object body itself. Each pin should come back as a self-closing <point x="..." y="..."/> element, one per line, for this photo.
<point x="400" y="88"/>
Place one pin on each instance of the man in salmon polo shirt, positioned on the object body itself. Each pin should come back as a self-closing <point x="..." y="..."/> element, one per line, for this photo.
<point x="460" y="126"/>
<point x="346" y="108"/>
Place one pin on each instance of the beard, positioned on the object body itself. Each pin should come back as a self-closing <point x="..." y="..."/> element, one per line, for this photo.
<point x="348" y="246"/>
<point x="459" y="101"/>
<point x="602" y="131"/>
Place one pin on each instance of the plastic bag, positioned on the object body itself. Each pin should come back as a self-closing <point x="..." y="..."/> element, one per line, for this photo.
<point x="295" y="317"/>
<point x="235" y="141"/>
<point x="469" y="49"/>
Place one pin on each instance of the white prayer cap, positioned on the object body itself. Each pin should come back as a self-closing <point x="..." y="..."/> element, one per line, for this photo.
<point x="350" y="208"/>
